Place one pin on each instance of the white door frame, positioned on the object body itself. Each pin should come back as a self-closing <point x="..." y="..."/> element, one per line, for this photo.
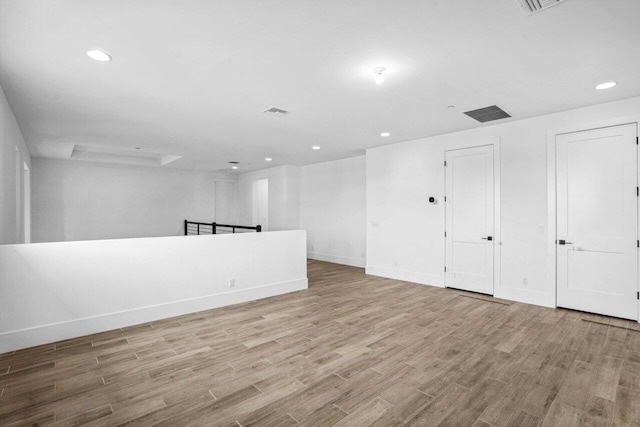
<point x="552" y="284"/>
<point x="497" y="237"/>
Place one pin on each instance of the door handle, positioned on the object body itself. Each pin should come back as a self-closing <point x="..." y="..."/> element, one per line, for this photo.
<point x="487" y="238"/>
<point x="564" y="242"/>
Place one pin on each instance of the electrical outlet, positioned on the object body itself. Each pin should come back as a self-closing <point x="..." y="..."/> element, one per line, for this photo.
<point x="525" y="281"/>
<point x="232" y="283"/>
<point x="311" y="248"/>
<point x="395" y="263"/>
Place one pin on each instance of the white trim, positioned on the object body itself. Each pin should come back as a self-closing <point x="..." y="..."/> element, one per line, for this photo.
<point x="405" y="275"/>
<point x="526" y="296"/>
<point x="551" y="219"/>
<point x="551" y="287"/>
<point x="497" y="255"/>
<point x="38" y="335"/>
<point x="336" y="259"/>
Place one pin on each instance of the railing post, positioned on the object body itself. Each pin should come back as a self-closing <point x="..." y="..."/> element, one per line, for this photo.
<point x="233" y="229"/>
<point x="213" y="228"/>
<point x="198" y="229"/>
<point x="258" y="228"/>
<point x="185" y="227"/>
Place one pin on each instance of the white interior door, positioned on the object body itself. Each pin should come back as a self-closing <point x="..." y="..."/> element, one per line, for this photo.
<point x="469" y="190"/>
<point x="597" y="217"/>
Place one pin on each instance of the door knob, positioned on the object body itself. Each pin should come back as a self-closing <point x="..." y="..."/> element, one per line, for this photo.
<point x="487" y="238"/>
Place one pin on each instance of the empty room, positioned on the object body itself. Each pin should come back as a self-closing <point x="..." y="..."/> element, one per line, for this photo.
<point x="320" y="213"/>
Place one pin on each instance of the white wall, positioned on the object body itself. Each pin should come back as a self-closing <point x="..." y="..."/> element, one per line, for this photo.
<point x="284" y="197"/>
<point x="75" y="200"/>
<point x="332" y="210"/>
<point x="405" y="234"/>
<point x="55" y="291"/>
<point x="226" y="201"/>
<point x="12" y="192"/>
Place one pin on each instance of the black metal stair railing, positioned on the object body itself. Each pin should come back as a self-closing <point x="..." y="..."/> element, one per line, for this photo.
<point x="192" y="228"/>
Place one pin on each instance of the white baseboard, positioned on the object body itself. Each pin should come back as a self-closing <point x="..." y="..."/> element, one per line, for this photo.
<point x="405" y="275"/>
<point x="526" y="296"/>
<point x="43" y="334"/>
<point x="511" y="294"/>
<point x="354" y="262"/>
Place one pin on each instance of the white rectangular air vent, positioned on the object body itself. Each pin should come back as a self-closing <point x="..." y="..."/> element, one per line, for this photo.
<point x="533" y="6"/>
<point x="276" y="111"/>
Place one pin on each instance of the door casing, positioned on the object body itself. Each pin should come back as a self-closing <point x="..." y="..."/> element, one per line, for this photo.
<point x="469" y="240"/>
<point x="551" y="199"/>
<point x="460" y="144"/>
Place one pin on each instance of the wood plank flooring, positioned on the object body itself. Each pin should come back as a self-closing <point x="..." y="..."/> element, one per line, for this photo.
<point x="352" y="350"/>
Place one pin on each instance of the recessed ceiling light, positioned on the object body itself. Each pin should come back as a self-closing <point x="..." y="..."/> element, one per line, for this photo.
<point x="379" y="74"/>
<point x="268" y="159"/>
<point x="451" y="107"/>
<point x="607" y="85"/>
<point x="234" y="167"/>
<point x="316" y="147"/>
<point x="385" y="134"/>
<point x="99" y="55"/>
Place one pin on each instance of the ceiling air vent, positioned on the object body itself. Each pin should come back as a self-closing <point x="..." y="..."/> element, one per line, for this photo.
<point x="487" y="114"/>
<point x="532" y="6"/>
<point x="276" y="111"/>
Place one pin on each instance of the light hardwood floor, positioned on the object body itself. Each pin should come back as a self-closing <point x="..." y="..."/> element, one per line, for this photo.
<point x="352" y="350"/>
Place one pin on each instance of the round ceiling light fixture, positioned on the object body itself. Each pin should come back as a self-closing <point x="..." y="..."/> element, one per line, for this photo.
<point x="316" y="147"/>
<point x="268" y="159"/>
<point x="379" y="74"/>
<point x="385" y="134"/>
<point x="99" y="55"/>
<point x="607" y="85"/>
<point x="234" y="167"/>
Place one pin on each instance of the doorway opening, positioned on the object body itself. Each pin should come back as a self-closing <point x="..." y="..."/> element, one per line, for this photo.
<point x="470" y="219"/>
<point x="596" y="221"/>
<point x="261" y="203"/>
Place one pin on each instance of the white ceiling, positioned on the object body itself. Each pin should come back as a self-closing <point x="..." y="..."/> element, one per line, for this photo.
<point x="191" y="78"/>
